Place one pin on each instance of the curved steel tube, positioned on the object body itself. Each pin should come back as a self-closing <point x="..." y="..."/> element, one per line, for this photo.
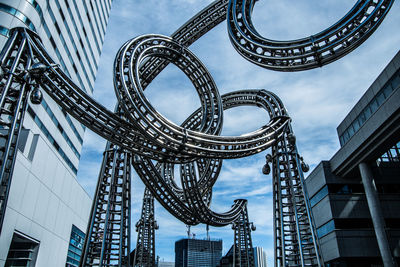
<point x="307" y="53"/>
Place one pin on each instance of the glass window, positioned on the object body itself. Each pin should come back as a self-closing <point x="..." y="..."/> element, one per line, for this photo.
<point x="68" y="118"/>
<point x="323" y="192"/>
<point x="33" y="146"/>
<point x="392" y="155"/>
<point x="90" y="24"/>
<point x="346" y="136"/>
<point x="60" y="128"/>
<point x="75" y="248"/>
<point x="46" y="132"/>
<point x="356" y="125"/>
<point x="326" y="229"/>
<point x="396" y="81"/>
<point x="367" y="112"/>
<point x="362" y="118"/>
<point x="373" y="105"/>
<point x="4" y="31"/>
<point x="387" y="90"/>
<point x="380" y="98"/>
<point x="346" y="189"/>
<point x="23" y="251"/>
<point x="350" y="130"/>
<point x="341" y="140"/>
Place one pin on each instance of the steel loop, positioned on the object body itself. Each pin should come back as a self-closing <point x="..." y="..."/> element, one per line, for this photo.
<point x="307" y="53"/>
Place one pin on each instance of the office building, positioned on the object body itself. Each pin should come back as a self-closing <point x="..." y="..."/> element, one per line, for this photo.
<point x="355" y="196"/>
<point x="47" y="209"/>
<point x="196" y="252"/>
<point x="260" y="257"/>
<point x="227" y="260"/>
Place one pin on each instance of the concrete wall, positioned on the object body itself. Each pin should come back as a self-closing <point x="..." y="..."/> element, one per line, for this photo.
<point x="45" y="200"/>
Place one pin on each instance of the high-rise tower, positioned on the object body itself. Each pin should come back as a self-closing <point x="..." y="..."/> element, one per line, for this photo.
<point x="45" y="210"/>
<point x="197" y="252"/>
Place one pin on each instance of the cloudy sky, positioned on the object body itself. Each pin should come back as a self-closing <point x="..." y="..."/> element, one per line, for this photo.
<point x="317" y="100"/>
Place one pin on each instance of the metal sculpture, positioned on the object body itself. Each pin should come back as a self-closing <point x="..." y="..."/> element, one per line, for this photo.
<point x="307" y="53"/>
<point x="15" y="83"/>
<point x="140" y="136"/>
<point x="243" y="253"/>
<point x="145" y="254"/>
<point x="295" y="238"/>
<point x="108" y="235"/>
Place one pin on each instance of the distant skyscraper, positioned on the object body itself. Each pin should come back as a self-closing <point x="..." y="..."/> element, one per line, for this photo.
<point x="260" y="257"/>
<point x="47" y="209"/>
<point x="166" y="264"/>
<point x="196" y="252"/>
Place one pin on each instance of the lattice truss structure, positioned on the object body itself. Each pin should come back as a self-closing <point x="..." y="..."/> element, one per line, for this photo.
<point x="108" y="239"/>
<point x="295" y="237"/>
<point x="141" y="137"/>
<point x="243" y="253"/>
<point x="145" y="254"/>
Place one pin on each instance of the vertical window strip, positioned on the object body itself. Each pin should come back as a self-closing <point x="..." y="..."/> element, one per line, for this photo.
<point x="60" y="59"/>
<point x="104" y="18"/>
<point x="76" y="48"/>
<point x="98" y="17"/>
<point x="60" y="128"/>
<point x="107" y="7"/>
<point x="51" y="139"/>
<point x="91" y="27"/>
<point x="75" y="247"/>
<point x="95" y="19"/>
<point x="68" y="118"/>
<point x="68" y="53"/>
<point x="88" y="47"/>
<point x="49" y="35"/>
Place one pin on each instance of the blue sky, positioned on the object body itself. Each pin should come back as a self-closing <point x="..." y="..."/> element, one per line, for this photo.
<point x="317" y="100"/>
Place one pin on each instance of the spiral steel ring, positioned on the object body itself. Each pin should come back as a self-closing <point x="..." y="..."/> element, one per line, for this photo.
<point x="307" y="53"/>
<point x="201" y="141"/>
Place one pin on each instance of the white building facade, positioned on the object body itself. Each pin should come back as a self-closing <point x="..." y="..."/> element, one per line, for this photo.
<point x="47" y="209"/>
<point x="260" y="257"/>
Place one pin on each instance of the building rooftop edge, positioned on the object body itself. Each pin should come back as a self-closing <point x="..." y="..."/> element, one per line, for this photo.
<point x="342" y="125"/>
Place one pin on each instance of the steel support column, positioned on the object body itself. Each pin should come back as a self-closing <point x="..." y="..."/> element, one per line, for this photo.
<point x="296" y="242"/>
<point x="376" y="214"/>
<point x="145" y="254"/>
<point x="15" y="63"/>
<point x="243" y="255"/>
<point x="107" y="240"/>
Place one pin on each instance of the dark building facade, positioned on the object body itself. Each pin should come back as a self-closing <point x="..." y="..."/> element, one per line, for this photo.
<point x="196" y="252"/>
<point x="260" y="258"/>
<point x="355" y="196"/>
<point x="227" y="260"/>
